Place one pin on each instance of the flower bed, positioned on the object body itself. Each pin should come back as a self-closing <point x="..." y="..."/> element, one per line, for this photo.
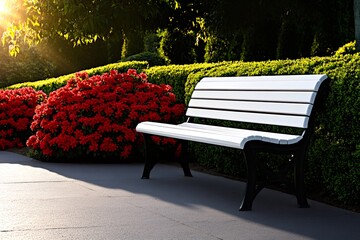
<point x="96" y="117"/>
<point x="17" y="107"/>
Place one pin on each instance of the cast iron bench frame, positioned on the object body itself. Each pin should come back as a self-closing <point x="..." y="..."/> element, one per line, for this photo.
<point x="286" y="100"/>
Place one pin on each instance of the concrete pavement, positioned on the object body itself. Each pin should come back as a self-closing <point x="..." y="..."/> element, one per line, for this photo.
<point x="109" y="201"/>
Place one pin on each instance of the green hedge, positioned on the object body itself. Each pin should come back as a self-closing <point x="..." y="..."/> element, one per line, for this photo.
<point x="51" y="84"/>
<point x="176" y="75"/>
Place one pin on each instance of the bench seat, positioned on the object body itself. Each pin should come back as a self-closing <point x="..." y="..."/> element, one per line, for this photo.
<point x="216" y="135"/>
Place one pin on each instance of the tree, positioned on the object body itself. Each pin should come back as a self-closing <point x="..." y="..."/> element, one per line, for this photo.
<point x="247" y="30"/>
<point x="179" y="43"/>
<point x="279" y="29"/>
<point x="86" y="21"/>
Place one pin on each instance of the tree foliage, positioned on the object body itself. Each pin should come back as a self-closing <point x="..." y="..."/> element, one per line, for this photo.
<point x="280" y="29"/>
<point x="214" y="29"/>
<point x="84" y="22"/>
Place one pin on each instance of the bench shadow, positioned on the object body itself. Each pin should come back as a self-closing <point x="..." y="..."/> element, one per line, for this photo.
<point x="272" y="209"/>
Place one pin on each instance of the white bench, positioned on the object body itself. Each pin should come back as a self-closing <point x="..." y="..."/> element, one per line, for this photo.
<point x="271" y="100"/>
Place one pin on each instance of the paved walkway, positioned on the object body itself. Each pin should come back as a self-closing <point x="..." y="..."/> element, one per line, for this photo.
<point x="109" y="201"/>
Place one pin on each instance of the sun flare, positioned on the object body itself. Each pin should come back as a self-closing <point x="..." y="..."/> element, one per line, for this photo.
<point x="4" y="7"/>
<point x="10" y="12"/>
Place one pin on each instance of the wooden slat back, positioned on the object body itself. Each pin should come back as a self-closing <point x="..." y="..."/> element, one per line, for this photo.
<point x="273" y="100"/>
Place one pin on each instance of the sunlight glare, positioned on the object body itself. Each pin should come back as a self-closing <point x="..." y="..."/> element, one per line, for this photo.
<point x="4" y="7"/>
<point x="8" y="13"/>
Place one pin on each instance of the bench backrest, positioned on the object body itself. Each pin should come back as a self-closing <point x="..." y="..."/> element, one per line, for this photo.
<point x="274" y="100"/>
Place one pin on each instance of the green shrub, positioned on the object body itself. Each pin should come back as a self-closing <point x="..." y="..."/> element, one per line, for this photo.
<point x="51" y="84"/>
<point x="152" y="42"/>
<point x="176" y="75"/>
<point x="28" y="66"/>
<point x="349" y="48"/>
<point x="178" y="47"/>
<point x="221" y="49"/>
<point x="152" y="58"/>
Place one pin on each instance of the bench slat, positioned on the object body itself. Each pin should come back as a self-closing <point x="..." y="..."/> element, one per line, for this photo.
<point x="257" y="85"/>
<point x="309" y="77"/>
<point x="273" y="96"/>
<point x="271" y="119"/>
<point x="262" y="107"/>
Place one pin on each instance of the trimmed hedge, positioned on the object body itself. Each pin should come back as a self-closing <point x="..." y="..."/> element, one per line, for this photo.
<point x="176" y="75"/>
<point x="52" y="84"/>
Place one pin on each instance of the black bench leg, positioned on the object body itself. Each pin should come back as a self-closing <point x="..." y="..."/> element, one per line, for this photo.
<point x="150" y="156"/>
<point x="184" y="159"/>
<point x="250" y="191"/>
<point x="299" y="179"/>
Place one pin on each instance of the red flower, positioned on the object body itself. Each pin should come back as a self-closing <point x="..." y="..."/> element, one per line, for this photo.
<point x="108" y="145"/>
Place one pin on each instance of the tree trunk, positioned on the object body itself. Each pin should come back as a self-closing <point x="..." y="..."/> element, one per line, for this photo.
<point x="357" y="23"/>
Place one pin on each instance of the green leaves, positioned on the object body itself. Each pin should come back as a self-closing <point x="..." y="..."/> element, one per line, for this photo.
<point x="84" y="22"/>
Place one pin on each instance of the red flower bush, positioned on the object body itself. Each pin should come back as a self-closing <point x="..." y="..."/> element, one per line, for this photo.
<point x="17" y="108"/>
<point x="96" y="117"/>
